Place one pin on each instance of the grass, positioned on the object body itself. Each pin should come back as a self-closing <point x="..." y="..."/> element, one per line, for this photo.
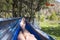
<point x="48" y="24"/>
<point x="51" y="29"/>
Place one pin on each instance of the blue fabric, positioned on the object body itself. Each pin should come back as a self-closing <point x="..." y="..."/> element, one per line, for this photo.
<point x="15" y="28"/>
<point x="30" y="29"/>
<point x="16" y="31"/>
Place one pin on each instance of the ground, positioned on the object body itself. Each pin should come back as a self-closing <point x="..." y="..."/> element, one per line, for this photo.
<point x="51" y="29"/>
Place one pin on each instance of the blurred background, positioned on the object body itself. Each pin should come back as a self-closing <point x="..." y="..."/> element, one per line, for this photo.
<point x="45" y="13"/>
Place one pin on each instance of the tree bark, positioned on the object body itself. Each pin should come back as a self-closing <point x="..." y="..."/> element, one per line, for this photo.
<point x="13" y="8"/>
<point x="20" y="8"/>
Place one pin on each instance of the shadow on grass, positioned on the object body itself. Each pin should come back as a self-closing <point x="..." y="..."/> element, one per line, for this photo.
<point x="52" y="30"/>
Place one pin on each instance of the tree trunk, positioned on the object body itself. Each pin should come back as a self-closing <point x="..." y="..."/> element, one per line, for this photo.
<point x="20" y="8"/>
<point x="13" y="8"/>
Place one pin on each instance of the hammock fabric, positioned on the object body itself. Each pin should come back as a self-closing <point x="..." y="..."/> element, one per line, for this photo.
<point x="10" y="28"/>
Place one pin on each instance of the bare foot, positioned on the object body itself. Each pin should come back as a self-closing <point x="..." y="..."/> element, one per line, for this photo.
<point x="22" y="23"/>
<point x="25" y="35"/>
<point x="21" y="36"/>
<point x="29" y="36"/>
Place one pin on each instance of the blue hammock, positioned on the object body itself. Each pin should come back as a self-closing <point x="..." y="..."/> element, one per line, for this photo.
<point x="10" y="28"/>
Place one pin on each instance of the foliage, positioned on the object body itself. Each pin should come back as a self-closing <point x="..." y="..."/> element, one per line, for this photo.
<point x="19" y="5"/>
<point x="53" y="31"/>
<point x="58" y="18"/>
<point x="42" y="18"/>
<point x="53" y="16"/>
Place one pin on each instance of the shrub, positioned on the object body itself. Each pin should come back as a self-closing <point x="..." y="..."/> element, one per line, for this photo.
<point x="53" y="16"/>
<point x="42" y="18"/>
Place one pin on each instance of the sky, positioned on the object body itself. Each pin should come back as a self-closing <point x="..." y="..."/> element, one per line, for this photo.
<point x="58" y="0"/>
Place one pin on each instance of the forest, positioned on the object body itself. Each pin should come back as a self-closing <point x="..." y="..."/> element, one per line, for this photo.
<point x="46" y="13"/>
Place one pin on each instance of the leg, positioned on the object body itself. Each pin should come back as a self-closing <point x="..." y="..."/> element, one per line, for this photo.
<point x="21" y="36"/>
